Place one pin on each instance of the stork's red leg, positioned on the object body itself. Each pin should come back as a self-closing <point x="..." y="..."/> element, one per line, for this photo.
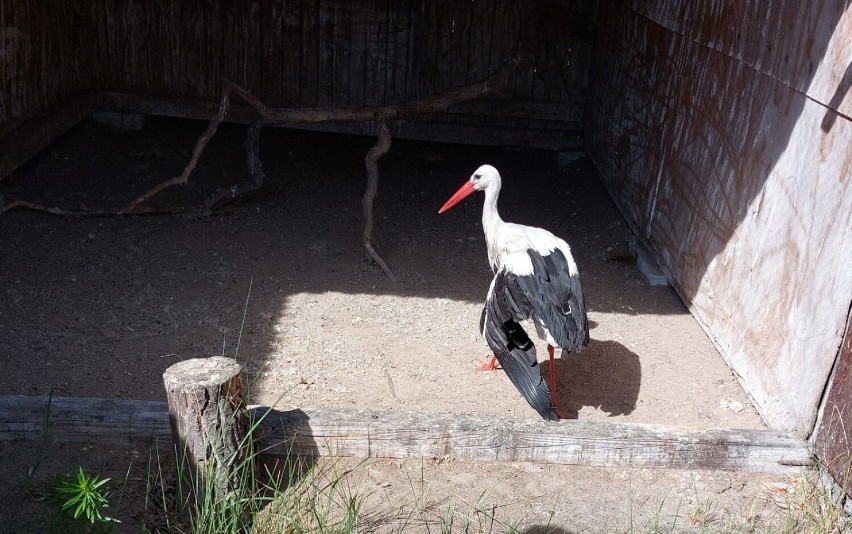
<point x="490" y="366"/>
<point x="553" y="381"/>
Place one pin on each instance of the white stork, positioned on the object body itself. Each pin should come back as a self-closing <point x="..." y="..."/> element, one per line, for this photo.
<point x="535" y="278"/>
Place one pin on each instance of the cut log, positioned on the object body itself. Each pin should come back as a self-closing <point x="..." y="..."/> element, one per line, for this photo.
<point x="329" y="432"/>
<point x="209" y="423"/>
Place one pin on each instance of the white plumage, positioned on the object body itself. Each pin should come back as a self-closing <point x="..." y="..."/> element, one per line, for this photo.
<point x="535" y="278"/>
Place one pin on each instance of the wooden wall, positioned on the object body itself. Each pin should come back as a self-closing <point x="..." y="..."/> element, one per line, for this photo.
<point x="303" y="53"/>
<point x="722" y="130"/>
<point x="832" y="442"/>
<point x="43" y="58"/>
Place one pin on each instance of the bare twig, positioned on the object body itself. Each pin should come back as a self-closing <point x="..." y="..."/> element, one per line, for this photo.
<point x="292" y="116"/>
<point x="371" y="160"/>
<point x="196" y="154"/>
<point x="255" y="168"/>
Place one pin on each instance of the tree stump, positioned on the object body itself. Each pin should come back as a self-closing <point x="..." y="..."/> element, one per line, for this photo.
<point x="209" y="424"/>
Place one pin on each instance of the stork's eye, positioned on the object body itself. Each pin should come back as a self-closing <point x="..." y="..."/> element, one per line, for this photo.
<point x="476" y="177"/>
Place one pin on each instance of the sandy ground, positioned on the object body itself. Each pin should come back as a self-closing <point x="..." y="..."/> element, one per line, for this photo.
<point x="99" y="307"/>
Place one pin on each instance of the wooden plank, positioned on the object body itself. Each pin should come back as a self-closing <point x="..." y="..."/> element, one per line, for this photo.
<point x="28" y="82"/>
<point x="374" y="34"/>
<point x="84" y="420"/>
<point x="412" y="40"/>
<point x="272" y="23"/>
<point x="100" y="58"/>
<point x="465" y="134"/>
<point x="341" y="52"/>
<point x="462" y="13"/>
<point x="233" y="52"/>
<point x="358" y="54"/>
<point x="815" y="55"/>
<point x="175" y="35"/>
<point x="425" y="52"/>
<point x="134" y="19"/>
<point x="253" y="54"/>
<point x="20" y="145"/>
<point x="325" y="51"/>
<point x="160" y="79"/>
<point x="480" y="40"/>
<point x="213" y="54"/>
<point x="192" y="18"/>
<point x="419" y="130"/>
<point x="396" y="53"/>
<point x="556" y="111"/>
<point x="832" y="441"/>
<point x="330" y="432"/>
<point x="309" y="58"/>
<point x="291" y="44"/>
<point x="443" y="28"/>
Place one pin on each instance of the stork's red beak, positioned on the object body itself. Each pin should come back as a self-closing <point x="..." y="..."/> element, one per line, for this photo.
<point x="463" y="191"/>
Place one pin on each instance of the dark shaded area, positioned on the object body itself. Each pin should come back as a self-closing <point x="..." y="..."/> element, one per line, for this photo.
<point x="832" y="113"/>
<point x="606" y="375"/>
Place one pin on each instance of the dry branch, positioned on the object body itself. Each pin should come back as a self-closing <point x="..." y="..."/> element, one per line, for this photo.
<point x="371" y="160"/>
<point x="196" y="155"/>
<point x="293" y="116"/>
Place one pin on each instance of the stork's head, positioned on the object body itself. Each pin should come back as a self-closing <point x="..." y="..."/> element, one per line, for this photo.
<point x="485" y="177"/>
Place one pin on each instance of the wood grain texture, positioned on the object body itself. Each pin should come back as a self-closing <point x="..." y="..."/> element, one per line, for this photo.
<point x="409" y="435"/>
<point x="309" y="72"/>
<point x="290" y="52"/>
<point x="753" y="32"/>
<point x="832" y="441"/>
<point x="213" y="54"/>
<point x="736" y="180"/>
<point x="192" y="19"/>
<point x="209" y="422"/>
<point x="325" y="44"/>
<point x="341" y="51"/>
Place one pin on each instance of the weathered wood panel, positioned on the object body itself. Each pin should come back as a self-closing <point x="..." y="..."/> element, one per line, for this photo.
<point x="40" y="51"/>
<point x="753" y="31"/>
<point x="832" y="441"/>
<point x="399" y="435"/>
<point x="728" y="171"/>
<point x="290" y="52"/>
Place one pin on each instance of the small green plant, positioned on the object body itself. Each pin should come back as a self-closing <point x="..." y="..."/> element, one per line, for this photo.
<point x="82" y="496"/>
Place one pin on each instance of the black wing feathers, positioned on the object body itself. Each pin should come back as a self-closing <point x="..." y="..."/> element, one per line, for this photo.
<point x="514" y="349"/>
<point x="556" y="299"/>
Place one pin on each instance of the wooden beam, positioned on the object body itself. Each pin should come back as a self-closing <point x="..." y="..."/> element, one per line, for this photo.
<point x="24" y="142"/>
<point x="365" y="434"/>
<point x="331" y="432"/>
<point x="417" y="130"/>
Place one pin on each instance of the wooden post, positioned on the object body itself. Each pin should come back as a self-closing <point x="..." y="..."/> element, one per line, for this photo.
<point x="209" y="423"/>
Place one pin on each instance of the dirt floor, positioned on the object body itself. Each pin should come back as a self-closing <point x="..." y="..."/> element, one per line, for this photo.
<point x="100" y="307"/>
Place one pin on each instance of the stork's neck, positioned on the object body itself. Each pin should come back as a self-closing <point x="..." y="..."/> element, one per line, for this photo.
<point x="491" y="223"/>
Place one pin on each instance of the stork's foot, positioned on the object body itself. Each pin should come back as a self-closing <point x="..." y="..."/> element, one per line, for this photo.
<point x="489" y="366"/>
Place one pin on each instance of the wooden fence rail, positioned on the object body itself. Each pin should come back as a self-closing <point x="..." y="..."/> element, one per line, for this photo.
<point x="335" y="432"/>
